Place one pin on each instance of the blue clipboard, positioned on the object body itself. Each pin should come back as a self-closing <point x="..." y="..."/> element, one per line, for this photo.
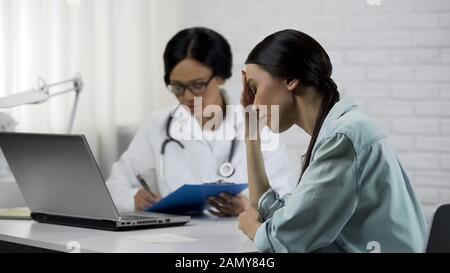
<point x="191" y="199"/>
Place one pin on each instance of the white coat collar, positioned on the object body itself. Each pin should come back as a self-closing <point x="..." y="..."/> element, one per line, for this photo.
<point x="185" y="127"/>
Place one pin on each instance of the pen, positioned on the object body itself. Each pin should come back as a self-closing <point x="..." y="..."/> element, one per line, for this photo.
<point x="143" y="183"/>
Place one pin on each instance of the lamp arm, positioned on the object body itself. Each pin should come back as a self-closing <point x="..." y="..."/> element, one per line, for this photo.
<point x="42" y="94"/>
<point x="77" y="87"/>
<point x="73" y="112"/>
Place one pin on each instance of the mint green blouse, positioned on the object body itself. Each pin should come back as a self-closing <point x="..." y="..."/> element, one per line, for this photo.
<point x="354" y="197"/>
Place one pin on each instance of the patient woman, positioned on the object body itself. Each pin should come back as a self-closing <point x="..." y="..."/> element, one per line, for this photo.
<point x="353" y="194"/>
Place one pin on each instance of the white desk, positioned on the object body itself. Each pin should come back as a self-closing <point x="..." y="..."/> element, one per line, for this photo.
<point x="211" y="234"/>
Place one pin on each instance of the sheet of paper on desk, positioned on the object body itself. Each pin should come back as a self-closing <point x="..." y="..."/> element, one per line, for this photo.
<point x="163" y="238"/>
<point x="15" y="214"/>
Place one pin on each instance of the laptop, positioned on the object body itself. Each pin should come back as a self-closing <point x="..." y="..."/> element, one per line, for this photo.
<point x="61" y="183"/>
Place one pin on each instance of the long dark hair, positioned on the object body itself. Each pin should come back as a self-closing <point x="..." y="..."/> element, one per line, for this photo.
<point x="291" y="54"/>
<point x="202" y="44"/>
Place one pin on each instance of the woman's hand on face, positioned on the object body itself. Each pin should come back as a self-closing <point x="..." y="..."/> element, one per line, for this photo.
<point x="247" y="100"/>
<point x="249" y="221"/>
<point x="227" y="205"/>
<point x="247" y="96"/>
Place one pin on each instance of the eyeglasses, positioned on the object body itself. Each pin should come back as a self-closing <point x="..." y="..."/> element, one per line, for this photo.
<point x="197" y="88"/>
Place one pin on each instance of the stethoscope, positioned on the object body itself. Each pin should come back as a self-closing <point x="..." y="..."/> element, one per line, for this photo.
<point x="226" y="169"/>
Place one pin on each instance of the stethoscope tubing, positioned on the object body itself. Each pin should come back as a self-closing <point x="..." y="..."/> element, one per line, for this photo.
<point x="169" y="139"/>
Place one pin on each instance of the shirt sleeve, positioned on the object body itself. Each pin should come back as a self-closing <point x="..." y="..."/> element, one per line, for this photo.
<point x="318" y="209"/>
<point x="270" y="202"/>
<point x="137" y="159"/>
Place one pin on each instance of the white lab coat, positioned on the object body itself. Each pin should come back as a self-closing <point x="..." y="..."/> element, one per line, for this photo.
<point x="143" y="157"/>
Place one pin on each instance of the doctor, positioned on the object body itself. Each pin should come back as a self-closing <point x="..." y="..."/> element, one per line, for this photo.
<point x="197" y="141"/>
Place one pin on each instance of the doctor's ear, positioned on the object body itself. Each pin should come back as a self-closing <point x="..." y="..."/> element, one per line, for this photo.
<point x="292" y="84"/>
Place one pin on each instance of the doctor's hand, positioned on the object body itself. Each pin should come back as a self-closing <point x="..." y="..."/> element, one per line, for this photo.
<point x="227" y="205"/>
<point x="249" y="221"/>
<point x="144" y="199"/>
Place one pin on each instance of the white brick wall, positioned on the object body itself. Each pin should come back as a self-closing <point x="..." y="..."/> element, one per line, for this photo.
<point x="393" y="59"/>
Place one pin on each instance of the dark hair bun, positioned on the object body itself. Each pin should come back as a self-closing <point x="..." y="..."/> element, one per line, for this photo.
<point x="201" y="44"/>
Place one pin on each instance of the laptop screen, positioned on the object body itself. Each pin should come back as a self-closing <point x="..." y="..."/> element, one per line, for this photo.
<point x="57" y="174"/>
